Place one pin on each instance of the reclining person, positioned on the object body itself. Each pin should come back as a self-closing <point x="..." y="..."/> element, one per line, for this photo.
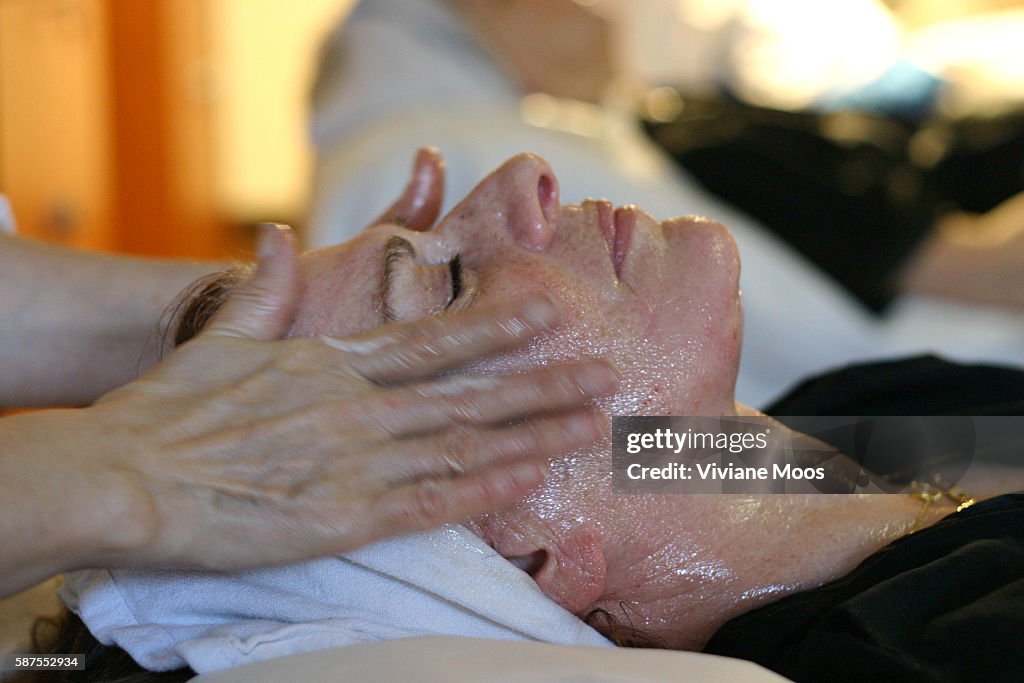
<point x="399" y="74"/>
<point x="661" y="300"/>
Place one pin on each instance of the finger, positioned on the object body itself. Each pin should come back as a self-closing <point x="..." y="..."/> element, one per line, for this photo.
<point x="263" y="307"/>
<point x="463" y="449"/>
<point x="404" y="353"/>
<point x="432" y="502"/>
<point x="486" y="400"/>
<point x="420" y="203"/>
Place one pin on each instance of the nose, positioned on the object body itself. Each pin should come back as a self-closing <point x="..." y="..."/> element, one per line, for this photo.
<point x="527" y="190"/>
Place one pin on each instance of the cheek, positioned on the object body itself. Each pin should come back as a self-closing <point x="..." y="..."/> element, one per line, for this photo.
<point x="691" y="349"/>
<point x="578" y="491"/>
<point x="593" y="324"/>
<point x="662" y="349"/>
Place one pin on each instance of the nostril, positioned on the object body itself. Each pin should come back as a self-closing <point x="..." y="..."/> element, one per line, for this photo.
<point x="532" y="563"/>
<point x="547" y="195"/>
<point x="527" y="190"/>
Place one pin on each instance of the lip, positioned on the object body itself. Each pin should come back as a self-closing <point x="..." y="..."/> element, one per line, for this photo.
<point x="617" y="229"/>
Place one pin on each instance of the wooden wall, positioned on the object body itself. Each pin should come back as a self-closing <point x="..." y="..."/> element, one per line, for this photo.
<point x="104" y="126"/>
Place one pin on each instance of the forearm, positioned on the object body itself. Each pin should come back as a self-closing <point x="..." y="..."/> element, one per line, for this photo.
<point x="74" y="325"/>
<point x="61" y="505"/>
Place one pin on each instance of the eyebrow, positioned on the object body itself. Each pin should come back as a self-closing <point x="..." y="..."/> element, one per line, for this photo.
<point x="394" y="249"/>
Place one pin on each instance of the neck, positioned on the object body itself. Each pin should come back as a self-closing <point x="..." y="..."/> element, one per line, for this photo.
<point x="727" y="554"/>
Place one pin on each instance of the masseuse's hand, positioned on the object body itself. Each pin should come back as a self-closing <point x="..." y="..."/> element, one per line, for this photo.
<point x="238" y="451"/>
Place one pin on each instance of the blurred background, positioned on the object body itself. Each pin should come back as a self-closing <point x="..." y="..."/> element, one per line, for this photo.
<point x="159" y="127"/>
<point x="168" y="127"/>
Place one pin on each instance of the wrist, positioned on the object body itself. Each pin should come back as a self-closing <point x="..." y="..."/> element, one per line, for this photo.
<point x="66" y="503"/>
<point x="118" y="526"/>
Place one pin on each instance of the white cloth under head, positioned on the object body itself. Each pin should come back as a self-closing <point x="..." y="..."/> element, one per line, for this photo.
<point x="443" y="582"/>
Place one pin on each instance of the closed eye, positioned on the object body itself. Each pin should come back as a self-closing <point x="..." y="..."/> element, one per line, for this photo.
<point x="455" y="269"/>
<point x="394" y="251"/>
<point x="410" y="289"/>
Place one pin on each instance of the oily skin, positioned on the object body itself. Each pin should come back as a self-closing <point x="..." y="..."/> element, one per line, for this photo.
<point x="674" y="345"/>
<point x="675" y="566"/>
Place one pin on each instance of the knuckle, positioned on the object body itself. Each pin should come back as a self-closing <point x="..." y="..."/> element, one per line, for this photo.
<point x="467" y="406"/>
<point x="535" y="391"/>
<point x="492" y="489"/>
<point x="300" y="356"/>
<point x="532" y="435"/>
<point x="424" y="334"/>
<point x="458" y="446"/>
<point x="403" y="360"/>
<point x="392" y="413"/>
<point x="515" y="441"/>
<point x="427" y="505"/>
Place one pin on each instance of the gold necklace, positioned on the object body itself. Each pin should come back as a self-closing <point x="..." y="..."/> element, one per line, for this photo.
<point x="938" y="492"/>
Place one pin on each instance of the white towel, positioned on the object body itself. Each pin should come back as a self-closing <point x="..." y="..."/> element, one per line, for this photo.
<point x="444" y="582"/>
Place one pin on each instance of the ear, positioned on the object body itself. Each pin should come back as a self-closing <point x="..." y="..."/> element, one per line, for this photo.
<point x="574" y="574"/>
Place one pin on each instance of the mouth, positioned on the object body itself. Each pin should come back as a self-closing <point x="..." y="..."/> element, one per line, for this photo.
<point x="617" y="228"/>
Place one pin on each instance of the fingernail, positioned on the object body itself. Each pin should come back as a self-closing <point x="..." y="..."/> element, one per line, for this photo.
<point x="543" y="312"/>
<point x="583" y="427"/>
<point x="530" y="473"/>
<point x="597" y="379"/>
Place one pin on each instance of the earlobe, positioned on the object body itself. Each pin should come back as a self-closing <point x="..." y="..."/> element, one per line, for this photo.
<point x="575" y="573"/>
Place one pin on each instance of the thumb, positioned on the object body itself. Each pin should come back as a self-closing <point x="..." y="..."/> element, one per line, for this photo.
<point x="420" y="203"/>
<point x="262" y="308"/>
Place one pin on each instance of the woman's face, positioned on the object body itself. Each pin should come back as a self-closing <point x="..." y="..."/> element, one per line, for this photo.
<point x="659" y="299"/>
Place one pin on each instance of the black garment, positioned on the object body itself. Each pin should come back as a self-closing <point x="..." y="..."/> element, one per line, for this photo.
<point x="846" y="189"/>
<point x="839" y="188"/>
<point x="922" y="385"/>
<point x="944" y="604"/>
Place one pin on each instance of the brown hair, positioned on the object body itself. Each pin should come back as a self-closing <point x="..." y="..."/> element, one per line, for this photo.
<point x="193" y="309"/>
<point x="620" y="630"/>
